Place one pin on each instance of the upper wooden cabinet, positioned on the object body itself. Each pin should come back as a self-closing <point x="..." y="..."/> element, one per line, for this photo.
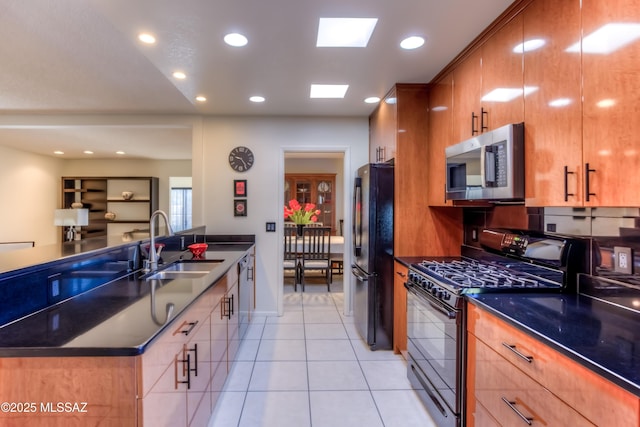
<point x="440" y="131"/>
<point x="488" y="85"/>
<point x="383" y="129"/>
<point x="314" y="188"/>
<point x="611" y="72"/>
<point x="553" y="108"/>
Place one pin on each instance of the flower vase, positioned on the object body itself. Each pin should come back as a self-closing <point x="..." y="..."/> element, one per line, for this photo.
<point x="300" y="228"/>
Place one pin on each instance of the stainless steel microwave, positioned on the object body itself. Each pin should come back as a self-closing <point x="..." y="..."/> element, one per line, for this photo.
<point x="489" y="166"/>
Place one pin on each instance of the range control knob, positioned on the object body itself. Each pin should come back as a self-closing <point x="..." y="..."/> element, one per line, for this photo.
<point x="440" y="294"/>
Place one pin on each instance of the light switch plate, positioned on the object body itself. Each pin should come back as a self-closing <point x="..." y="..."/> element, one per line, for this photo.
<point x="623" y="258"/>
<point x="270" y="227"/>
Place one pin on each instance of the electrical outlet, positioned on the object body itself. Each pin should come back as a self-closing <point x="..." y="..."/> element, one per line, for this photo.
<point x="623" y="258"/>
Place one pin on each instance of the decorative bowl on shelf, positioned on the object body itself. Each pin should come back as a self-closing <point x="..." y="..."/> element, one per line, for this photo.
<point x="127" y="195"/>
<point x="197" y="249"/>
<point x="76" y="205"/>
<point x="109" y="216"/>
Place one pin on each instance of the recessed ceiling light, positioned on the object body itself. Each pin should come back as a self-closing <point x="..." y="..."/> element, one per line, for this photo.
<point x="58" y="152"/>
<point x="560" y="102"/>
<point x="607" y="39"/>
<point x="201" y="98"/>
<point x="412" y="42"/>
<point x="146" y="38"/>
<point x="372" y="100"/>
<point x="345" y="32"/>
<point x="88" y="152"/>
<point x="120" y="153"/>
<point x="529" y="45"/>
<point x="235" y="40"/>
<point x="257" y="99"/>
<point x="328" y="91"/>
<point x="179" y="75"/>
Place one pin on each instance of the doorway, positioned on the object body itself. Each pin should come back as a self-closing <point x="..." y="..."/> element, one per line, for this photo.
<point x="331" y="167"/>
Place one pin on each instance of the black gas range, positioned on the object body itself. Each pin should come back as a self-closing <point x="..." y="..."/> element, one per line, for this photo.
<point x="505" y="261"/>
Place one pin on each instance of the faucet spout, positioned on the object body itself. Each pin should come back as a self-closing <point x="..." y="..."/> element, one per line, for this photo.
<point x="153" y="253"/>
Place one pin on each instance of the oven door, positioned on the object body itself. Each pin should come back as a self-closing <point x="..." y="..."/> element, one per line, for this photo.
<point x="435" y="334"/>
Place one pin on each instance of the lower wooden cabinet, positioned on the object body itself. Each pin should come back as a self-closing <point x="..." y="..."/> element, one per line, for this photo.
<point x="513" y="376"/>
<point x="400" y="309"/>
<point x="175" y="382"/>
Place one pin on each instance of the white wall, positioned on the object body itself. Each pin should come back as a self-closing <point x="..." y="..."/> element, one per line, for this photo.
<point x="268" y="138"/>
<point x="30" y="192"/>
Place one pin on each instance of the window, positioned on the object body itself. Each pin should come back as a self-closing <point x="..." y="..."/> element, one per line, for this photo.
<point x="180" y="208"/>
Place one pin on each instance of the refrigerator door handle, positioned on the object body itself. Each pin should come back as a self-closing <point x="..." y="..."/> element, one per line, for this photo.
<point x="356" y="272"/>
<point x="357" y="217"/>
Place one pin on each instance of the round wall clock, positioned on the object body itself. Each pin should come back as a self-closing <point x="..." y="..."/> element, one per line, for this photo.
<point x="241" y="159"/>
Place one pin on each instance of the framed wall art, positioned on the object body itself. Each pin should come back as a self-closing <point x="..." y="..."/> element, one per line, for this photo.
<point x="239" y="207"/>
<point x="239" y="188"/>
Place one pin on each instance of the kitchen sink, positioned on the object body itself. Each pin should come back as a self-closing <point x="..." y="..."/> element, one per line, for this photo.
<point x="194" y="266"/>
<point x="185" y="270"/>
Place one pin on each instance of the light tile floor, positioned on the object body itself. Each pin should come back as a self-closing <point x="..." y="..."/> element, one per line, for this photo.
<point x="309" y="367"/>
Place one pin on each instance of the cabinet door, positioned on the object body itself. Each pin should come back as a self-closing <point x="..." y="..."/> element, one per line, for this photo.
<point x="610" y="58"/>
<point x="233" y="330"/>
<point x="467" y="88"/>
<point x="199" y="350"/>
<point x="553" y="108"/>
<point x="400" y="309"/>
<point x="502" y="78"/>
<point x="219" y="367"/>
<point x="383" y="129"/>
<point x="440" y="131"/>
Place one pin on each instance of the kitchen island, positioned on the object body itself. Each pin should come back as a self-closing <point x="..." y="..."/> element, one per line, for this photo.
<point x="137" y="349"/>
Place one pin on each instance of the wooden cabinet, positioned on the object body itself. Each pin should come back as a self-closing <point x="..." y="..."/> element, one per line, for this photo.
<point x="383" y="129"/>
<point x="610" y="75"/>
<point x="314" y="188"/>
<point x="467" y="91"/>
<point x="440" y="137"/>
<point x="488" y="89"/>
<point x="553" y="108"/>
<point x="546" y="385"/>
<point x="400" y="309"/>
<point x="104" y="194"/>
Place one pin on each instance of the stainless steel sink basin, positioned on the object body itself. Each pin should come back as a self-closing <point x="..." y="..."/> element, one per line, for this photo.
<point x="205" y="266"/>
<point x="185" y="270"/>
<point x="169" y="274"/>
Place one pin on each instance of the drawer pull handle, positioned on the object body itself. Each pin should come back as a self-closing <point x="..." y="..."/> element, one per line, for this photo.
<point x="187" y="331"/>
<point x="512" y="405"/>
<point x="513" y="348"/>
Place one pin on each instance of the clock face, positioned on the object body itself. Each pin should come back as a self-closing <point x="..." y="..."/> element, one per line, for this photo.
<point x="241" y="159"/>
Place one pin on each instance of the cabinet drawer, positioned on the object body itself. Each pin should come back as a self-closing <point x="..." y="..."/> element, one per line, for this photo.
<point x="513" y="398"/>
<point x="598" y="400"/>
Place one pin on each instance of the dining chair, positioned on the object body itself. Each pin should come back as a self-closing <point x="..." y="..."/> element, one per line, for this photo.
<point x="291" y="261"/>
<point x="316" y="254"/>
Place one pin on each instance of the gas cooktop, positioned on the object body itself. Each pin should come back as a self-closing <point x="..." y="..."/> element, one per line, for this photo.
<point x="463" y="274"/>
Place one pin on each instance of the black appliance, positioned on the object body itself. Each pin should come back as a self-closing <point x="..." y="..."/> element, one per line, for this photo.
<point x="507" y="261"/>
<point x="373" y="254"/>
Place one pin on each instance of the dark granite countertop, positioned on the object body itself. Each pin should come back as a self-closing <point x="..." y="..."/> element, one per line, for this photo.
<point x="598" y="335"/>
<point x="115" y="319"/>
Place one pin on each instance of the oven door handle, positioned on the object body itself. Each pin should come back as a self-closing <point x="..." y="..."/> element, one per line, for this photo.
<point x="451" y="314"/>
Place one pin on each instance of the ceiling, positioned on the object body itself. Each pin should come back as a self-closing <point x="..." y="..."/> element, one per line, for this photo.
<point x="79" y="57"/>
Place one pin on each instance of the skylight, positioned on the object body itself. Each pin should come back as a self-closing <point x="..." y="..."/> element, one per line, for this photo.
<point x="345" y="32"/>
<point x="328" y="91"/>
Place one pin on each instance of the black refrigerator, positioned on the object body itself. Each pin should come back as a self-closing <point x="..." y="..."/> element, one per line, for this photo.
<point x="373" y="254"/>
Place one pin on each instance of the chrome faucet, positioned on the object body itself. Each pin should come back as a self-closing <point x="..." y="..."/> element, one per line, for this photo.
<point x="152" y="263"/>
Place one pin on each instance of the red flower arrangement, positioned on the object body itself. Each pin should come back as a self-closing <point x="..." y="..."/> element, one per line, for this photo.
<point x="299" y="215"/>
